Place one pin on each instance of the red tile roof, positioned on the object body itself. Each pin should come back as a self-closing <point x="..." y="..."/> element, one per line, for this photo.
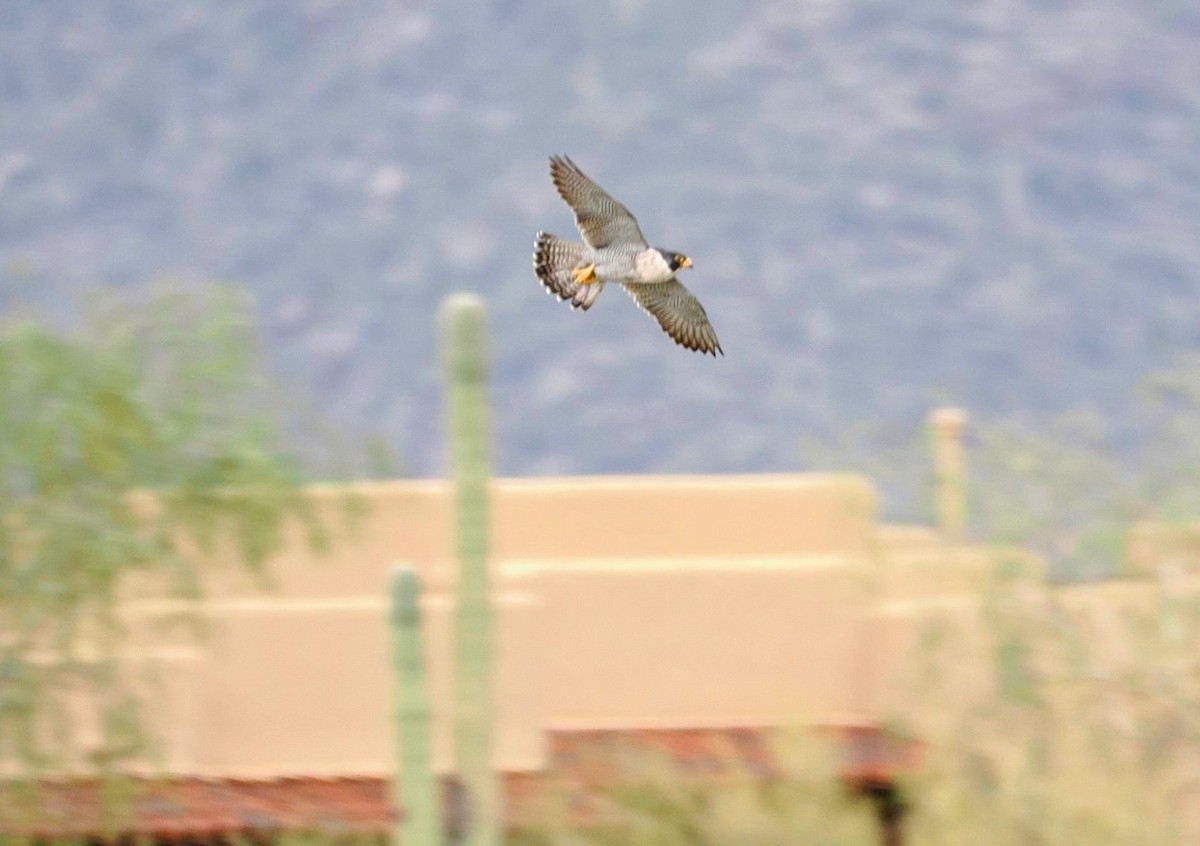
<point x="583" y="763"/>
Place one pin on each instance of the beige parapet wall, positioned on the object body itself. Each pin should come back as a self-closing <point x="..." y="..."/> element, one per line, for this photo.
<point x="622" y="602"/>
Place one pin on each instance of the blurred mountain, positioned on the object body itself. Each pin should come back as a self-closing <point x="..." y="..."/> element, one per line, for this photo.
<point x="890" y="203"/>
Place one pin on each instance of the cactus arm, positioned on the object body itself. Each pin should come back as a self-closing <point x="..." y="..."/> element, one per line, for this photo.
<point x="417" y="801"/>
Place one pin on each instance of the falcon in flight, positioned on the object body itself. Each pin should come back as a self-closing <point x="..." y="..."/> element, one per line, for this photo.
<point x="614" y="250"/>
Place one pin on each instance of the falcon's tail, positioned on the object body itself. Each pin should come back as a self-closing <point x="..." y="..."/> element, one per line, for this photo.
<point x="555" y="260"/>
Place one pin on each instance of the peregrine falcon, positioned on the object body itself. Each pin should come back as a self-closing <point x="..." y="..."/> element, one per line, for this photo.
<point x="614" y="250"/>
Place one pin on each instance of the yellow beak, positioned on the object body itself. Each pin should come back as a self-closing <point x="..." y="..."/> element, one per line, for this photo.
<point x="687" y="262"/>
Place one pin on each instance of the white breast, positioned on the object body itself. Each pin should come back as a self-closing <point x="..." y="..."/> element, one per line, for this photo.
<point x="650" y="266"/>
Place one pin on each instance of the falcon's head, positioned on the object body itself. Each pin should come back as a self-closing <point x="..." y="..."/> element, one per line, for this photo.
<point x="675" y="260"/>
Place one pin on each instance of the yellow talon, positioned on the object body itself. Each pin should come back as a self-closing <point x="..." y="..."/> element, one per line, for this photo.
<point x="586" y="275"/>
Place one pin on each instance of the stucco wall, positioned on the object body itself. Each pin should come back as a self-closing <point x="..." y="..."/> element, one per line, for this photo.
<point x="637" y="602"/>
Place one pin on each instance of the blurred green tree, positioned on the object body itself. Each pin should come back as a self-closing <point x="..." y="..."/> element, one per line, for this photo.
<point x="148" y="444"/>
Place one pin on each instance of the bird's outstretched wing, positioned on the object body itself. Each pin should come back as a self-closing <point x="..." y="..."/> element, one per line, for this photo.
<point x="600" y="218"/>
<point x="679" y="314"/>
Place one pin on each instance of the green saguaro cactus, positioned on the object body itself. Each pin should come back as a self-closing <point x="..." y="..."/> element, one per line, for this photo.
<point x="416" y="785"/>
<point x="464" y="334"/>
